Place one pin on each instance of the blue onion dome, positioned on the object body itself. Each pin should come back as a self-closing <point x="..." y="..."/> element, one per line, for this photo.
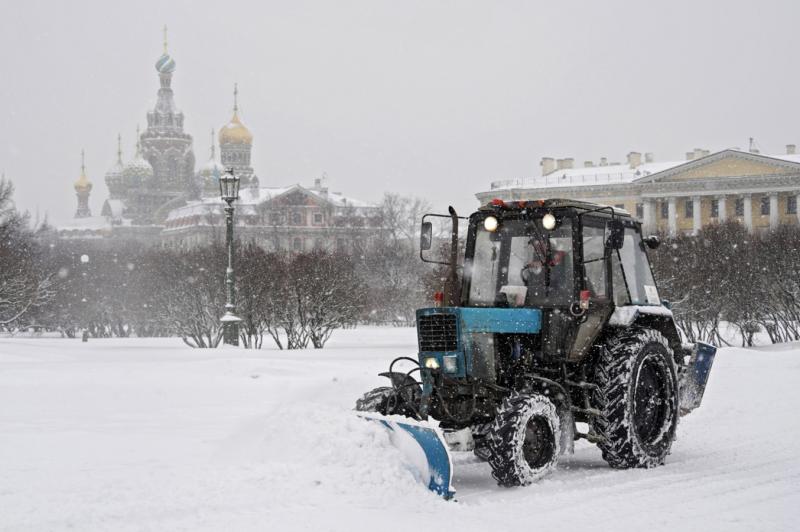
<point x="165" y="64"/>
<point x="138" y="170"/>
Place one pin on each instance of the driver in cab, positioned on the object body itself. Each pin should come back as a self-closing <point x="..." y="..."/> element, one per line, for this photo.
<point x="547" y="272"/>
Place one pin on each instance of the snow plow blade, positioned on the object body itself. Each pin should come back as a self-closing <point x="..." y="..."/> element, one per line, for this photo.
<point x="694" y="379"/>
<point x="423" y="447"/>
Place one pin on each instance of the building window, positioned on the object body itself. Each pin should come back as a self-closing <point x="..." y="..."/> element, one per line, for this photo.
<point x="689" y="208"/>
<point x="317" y="218"/>
<point x="715" y="208"/>
<point x="739" y="207"/>
<point x="297" y="218"/>
<point x="341" y="244"/>
<point x="297" y="244"/>
<point x="791" y="205"/>
<point x="274" y="218"/>
<point x="640" y="210"/>
<point x="764" y="205"/>
<point x="664" y="210"/>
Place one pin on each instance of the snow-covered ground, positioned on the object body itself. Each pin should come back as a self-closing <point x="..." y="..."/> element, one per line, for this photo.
<point x="151" y="435"/>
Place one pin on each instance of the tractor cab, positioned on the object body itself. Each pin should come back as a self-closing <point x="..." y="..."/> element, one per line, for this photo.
<point x="539" y="282"/>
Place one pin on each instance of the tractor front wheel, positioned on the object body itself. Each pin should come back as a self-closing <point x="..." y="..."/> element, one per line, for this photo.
<point x="523" y="441"/>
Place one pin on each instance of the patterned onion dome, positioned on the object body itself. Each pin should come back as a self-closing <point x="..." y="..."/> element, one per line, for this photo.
<point x="138" y="170"/>
<point x="165" y="64"/>
<point x="209" y="173"/>
<point x="234" y="132"/>
<point x="114" y="176"/>
<point x="82" y="184"/>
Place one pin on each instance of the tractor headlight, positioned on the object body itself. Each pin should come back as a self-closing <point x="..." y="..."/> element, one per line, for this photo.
<point x="549" y="221"/>
<point x="450" y="364"/>
<point x="490" y="224"/>
<point x="431" y="363"/>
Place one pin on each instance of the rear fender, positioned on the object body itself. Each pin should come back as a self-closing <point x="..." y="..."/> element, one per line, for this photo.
<point x="654" y="317"/>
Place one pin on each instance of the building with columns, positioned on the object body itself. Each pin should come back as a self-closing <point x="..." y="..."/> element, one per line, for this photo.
<point x="760" y="191"/>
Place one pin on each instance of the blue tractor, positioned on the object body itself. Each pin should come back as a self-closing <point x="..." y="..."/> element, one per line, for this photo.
<point x="552" y="318"/>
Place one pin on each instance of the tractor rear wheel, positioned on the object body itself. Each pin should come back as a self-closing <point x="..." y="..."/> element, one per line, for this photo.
<point x="638" y="397"/>
<point x="523" y="441"/>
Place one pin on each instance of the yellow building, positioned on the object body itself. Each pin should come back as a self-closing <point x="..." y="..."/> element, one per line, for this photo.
<point x="760" y="191"/>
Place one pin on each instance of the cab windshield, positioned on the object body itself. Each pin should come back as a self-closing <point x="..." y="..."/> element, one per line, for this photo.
<point x="521" y="264"/>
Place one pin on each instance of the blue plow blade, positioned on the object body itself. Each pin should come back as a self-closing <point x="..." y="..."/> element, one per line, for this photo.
<point x="433" y="466"/>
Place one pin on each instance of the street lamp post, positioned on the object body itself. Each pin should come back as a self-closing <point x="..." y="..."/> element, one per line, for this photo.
<point x="85" y="332"/>
<point x="229" y="192"/>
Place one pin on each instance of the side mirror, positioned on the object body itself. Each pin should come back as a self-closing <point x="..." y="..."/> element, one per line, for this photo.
<point x="652" y="241"/>
<point x="426" y="236"/>
<point x="616" y="234"/>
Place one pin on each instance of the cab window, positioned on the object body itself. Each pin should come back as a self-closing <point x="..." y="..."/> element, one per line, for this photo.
<point x="632" y="278"/>
<point x="594" y="262"/>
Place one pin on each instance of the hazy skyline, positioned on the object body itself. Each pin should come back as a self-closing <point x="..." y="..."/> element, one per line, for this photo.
<point x="432" y="99"/>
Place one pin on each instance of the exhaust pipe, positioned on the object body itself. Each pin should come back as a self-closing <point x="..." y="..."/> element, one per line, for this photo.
<point x="452" y="288"/>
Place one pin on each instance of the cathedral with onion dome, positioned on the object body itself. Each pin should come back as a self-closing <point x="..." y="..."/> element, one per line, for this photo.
<point x="158" y="196"/>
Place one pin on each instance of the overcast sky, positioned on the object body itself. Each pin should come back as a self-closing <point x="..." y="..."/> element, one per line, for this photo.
<point x="434" y="99"/>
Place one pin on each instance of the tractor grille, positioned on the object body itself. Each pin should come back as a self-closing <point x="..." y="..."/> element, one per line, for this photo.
<point x="437" y="332"/>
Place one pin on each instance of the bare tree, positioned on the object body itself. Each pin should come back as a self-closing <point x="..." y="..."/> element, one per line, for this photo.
<point x="23" y="283"/>
<point x="327" y="294"/>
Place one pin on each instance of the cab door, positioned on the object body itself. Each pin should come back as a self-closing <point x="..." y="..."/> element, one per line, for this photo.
<point x="594" y="277"/>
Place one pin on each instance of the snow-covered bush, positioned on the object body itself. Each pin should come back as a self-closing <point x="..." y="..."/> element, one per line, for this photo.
<point x="725" y="274"/>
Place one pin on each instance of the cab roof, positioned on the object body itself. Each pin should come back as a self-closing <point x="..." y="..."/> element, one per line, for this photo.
<point x="498" y="204"/>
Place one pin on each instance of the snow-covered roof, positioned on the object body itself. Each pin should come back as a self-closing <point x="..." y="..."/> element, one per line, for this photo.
<point x="792" y="158"/>
<point x="613" y="174"/>
<point x="91" y="223"/>
<point x="250" y="199"/>
<point x="593" y="175"/>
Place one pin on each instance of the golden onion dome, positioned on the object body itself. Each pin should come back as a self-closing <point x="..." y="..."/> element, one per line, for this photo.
<point x="234" y="132"/>
<point x="83" y="184"/>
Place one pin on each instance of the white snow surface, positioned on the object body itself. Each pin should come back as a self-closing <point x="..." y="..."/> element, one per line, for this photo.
<point x="147" y="434"/>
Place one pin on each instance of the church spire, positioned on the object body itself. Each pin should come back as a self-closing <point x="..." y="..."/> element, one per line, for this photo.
<point x="213" y="147"/>
<point x="119" y="148"/>
<point x="82" y="189"/>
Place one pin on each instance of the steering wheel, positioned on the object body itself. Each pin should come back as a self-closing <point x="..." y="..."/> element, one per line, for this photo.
<point x="530" y="269"/>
